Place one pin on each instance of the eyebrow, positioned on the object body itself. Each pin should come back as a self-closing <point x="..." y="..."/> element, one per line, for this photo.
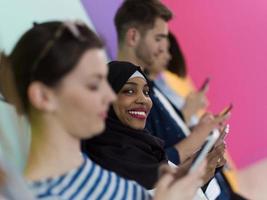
<point x="97" y="76"/>
<point x="162" y="35"/>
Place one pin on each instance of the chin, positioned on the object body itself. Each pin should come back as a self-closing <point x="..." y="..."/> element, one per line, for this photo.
<point x="95" y="130"/>
<point x="138" y="126"/>
<point x="98" y="129"/>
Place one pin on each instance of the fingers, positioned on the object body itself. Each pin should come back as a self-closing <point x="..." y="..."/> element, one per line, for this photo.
<point x="168" y="187"/>
<point x="221" y="162"/>
<point x="207" y="117"/>
<point x="223" y="132"/>
<point x="205" y="86"/>
<point x="216" y="157"/>
<point x="220" y="119"/>
<point x="181" y="171"/>
<point x="205" y="89"/>
<point x="166" y="169"/>
<point x="165" y="181"/>
<point x="194" y="178"/>
<point x="201" y="98"/>
<point x="220" y="149"/>
<point x="196" y="101"/>
<point x="201" y="169"/>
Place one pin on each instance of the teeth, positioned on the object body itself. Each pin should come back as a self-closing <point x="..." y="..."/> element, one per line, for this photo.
<point x="138" y="113"/>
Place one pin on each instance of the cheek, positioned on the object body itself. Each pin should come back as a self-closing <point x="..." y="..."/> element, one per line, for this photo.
<point x="120" y="109"/>
<point x="81" y="100"/>
<point x="121" y="106"/>
<point x="152" y="43"/>
<point x="150" y="104"/>
<point x="81" y="104"/>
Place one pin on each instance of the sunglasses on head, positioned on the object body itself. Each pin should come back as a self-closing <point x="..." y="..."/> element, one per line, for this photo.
<point x="71" y="26"/>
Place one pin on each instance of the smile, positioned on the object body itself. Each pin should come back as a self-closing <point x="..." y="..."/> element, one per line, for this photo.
<point x="138" y="114"/>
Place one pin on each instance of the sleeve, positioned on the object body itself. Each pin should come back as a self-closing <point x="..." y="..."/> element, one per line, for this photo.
<point x="160" y="124"/>
<point x="174" y="154"/>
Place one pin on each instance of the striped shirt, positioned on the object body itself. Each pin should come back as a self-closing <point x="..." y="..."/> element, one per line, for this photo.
<point x="89" y="181"/>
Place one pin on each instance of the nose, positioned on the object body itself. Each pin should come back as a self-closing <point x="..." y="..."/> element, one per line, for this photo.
<point x="169" y="56"/>
<point x="141" y="99"/>
<point x="163" y="45"/>
<point x="161" y="49"/>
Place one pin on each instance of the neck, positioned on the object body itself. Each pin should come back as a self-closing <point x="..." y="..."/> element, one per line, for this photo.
<point x="53" y="151"/>
<point x="127" y="54"/>
<point x="153" y="76"/>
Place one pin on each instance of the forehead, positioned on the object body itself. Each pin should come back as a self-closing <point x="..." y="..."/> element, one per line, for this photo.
<point x="160" y="28"/>
<point x="92" y="62"/>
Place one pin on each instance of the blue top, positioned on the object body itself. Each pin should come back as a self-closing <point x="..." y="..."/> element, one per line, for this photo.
<point x="89" y="181"/>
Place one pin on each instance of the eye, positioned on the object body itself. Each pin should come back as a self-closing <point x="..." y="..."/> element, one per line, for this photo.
<point x="128" y="91"/>
<point x="158" y="39"/>
<point x="146" y="92"/>
<point x="93" y="87"/>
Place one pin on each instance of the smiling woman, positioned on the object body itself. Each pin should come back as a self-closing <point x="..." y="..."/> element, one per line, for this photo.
<point x="125" y="147"/>
<point x="133" y="104"/>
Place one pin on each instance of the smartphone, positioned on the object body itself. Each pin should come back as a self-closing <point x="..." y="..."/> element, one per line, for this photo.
<point x="226" y="110"/>
<point x="225" y="131"/>
<point x="205" y="149"/>
<point x="205" y="84"/>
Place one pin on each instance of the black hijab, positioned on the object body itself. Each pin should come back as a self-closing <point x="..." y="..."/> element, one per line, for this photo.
<point x="131" y="153"/>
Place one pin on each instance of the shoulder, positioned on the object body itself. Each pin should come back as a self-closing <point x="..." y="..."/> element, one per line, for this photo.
<point x="89" y="181"/>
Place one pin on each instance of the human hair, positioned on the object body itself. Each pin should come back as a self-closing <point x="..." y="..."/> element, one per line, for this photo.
<point x="140" y="14"/>
<point x="47" y="52"/>
<point x="177" y="62"/>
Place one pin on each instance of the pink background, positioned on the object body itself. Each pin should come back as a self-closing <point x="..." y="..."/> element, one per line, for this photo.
<point x="227" y="40"/>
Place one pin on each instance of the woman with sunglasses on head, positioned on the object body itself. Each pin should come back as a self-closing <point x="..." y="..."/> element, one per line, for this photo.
<point x="60" y="73"/>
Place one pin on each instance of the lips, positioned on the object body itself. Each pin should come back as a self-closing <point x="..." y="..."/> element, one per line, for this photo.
<point x="138" y="113"/>
<point x="103" y="115"/>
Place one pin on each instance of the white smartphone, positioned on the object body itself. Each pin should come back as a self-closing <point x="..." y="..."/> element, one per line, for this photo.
<point x="206" y="147"/>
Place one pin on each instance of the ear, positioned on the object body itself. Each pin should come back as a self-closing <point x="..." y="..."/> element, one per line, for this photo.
<point x="132" y="37"/>
<point x="41" y="96"/>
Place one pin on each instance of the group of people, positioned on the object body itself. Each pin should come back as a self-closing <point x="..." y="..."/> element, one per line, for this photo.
<point x="110" y="131"/>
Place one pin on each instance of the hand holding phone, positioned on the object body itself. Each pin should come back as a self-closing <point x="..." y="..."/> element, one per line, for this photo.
<point x="226" y="110"/>
<point x="205" y="149"/>
<point x="224" y="132"/>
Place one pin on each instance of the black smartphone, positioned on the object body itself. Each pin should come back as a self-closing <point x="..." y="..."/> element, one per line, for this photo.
<point x="204" y="84"/>
<point x="227" y="110"/>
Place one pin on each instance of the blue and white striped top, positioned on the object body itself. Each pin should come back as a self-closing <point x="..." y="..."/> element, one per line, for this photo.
<point x="89" y="181"/>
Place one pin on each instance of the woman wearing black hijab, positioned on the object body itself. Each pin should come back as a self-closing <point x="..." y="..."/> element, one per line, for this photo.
<point x="126" y="147"/>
